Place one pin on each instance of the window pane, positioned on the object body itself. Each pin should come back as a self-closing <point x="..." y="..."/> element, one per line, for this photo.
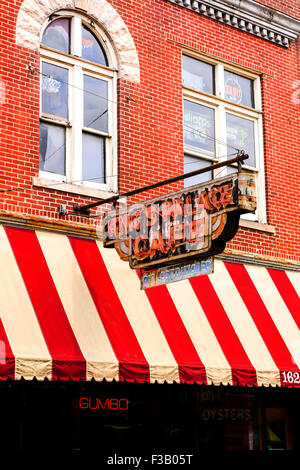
<point x="275" y="438"/>
<point x="194" y="163"/>
<point x="95" y="104"/>
<point x="91" y="48"/>
<point x="240" y="134"/>
<point x="57" y="35"/>
<point x="238" y="89"/>
<point x="93" y="158"/>
<point x="198" y="75"/>
<point x="199" y="128"/>
<point x="52" y="148"/>
<point x="231" y="169"/>
<point x="54" y="91"/>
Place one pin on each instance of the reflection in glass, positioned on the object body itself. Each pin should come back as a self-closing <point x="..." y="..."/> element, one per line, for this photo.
<point x="199" y="128"/>
<point x="57" y="35"/>
<point x="198" y="75"/>
<point x="52" y="148"/>
<point x="275" y="437"/>
<point x="231" y="169"/>
<point x="54" y="91"/>
<point x="240" y="135"/>
<point x="238" y="89"/>
<point x="91" y="48"/>
<point x="93" y="158"/>
<point x="194" y="163"/>
<point x="95" y="104"/>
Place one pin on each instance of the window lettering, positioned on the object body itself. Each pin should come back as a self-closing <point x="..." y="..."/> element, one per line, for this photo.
<point x="221" y="118"/>
<point x="103" y="404"/>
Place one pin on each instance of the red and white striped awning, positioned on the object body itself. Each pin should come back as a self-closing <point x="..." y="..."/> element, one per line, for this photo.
<point x="70" y="308"/>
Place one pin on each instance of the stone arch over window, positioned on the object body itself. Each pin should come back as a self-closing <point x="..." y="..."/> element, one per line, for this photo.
<point x="34" y="13"/>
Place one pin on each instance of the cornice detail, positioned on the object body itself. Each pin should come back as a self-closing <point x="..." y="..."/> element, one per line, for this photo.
<point x="248" y="16"/>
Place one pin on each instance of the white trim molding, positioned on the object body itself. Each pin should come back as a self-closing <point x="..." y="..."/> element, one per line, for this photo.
<point x="34" y="13"/>
<point x="248" y="16"/>
<point x="71" y="188"/>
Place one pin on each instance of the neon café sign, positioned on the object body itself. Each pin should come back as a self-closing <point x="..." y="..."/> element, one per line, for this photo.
<point x="175" y="236"/>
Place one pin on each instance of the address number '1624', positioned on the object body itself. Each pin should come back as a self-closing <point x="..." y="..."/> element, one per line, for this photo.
<point x="291" y="377"/>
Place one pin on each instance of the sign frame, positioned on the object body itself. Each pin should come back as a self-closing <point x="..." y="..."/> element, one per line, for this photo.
<point x="224" y="198"/>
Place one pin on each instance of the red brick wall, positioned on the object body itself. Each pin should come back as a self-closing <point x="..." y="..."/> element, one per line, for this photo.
<point x="291" y="7"/>
<point x="150" y="124"/>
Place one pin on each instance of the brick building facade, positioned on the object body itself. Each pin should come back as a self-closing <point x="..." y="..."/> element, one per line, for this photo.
<point x="150" y="135"/>
<point x="148" y="129"/>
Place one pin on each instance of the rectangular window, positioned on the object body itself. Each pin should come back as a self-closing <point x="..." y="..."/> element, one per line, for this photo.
<point x="238" y="89"/>
<point x="93" y="158"/>
<point x="198" y="75"/>
<point x="95" y="120"/>
<point x="95" y="104"/>
<point x="278" y="429"/>
<point x="52" y="148"/>
<point x="240" y="134"/>
<point x="192" y="163"/>
<point x="199" y="128"/>
<point x="54" y="119"/>
<point x="54" y="91"/>
<point x="222" y="118"/>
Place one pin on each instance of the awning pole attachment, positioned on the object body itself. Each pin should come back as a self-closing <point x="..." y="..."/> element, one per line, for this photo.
<point x="84" y="210"/>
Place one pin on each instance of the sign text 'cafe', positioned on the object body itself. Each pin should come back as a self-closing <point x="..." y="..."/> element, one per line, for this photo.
<point x="181" y="227"/>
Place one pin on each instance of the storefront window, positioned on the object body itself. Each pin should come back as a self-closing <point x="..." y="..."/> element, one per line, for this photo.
<point x="278" y="429"/>
<point x="146" y="418"/>
<point x="227" y="421"/>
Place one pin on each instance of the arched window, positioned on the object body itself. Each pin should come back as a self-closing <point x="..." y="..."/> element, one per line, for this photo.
<point x="78" y="103"/>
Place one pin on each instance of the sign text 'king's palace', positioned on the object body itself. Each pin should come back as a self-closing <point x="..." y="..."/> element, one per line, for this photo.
<point x="185" y="225"/>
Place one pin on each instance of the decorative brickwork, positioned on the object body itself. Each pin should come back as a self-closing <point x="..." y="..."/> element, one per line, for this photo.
<point x="247" y="16"/>
<point x="34" y="13"/>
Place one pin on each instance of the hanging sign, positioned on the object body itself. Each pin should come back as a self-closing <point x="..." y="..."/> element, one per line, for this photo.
<point x="161" y="276"/>
<point x="193" y="223"/>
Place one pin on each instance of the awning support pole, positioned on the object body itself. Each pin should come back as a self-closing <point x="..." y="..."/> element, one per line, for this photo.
<point x="84" y="210"/>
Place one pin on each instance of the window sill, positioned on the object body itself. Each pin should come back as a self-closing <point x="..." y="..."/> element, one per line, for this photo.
<point x="71" y="188"/>
<point x="257" y="226"/>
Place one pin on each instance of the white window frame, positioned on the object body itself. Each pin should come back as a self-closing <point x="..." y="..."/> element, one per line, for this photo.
<point x="79" y="67"/>
<point x="223" y="106"/>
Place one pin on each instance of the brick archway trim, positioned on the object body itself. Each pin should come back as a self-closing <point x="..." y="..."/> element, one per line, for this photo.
<point x="34" y="13"/>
